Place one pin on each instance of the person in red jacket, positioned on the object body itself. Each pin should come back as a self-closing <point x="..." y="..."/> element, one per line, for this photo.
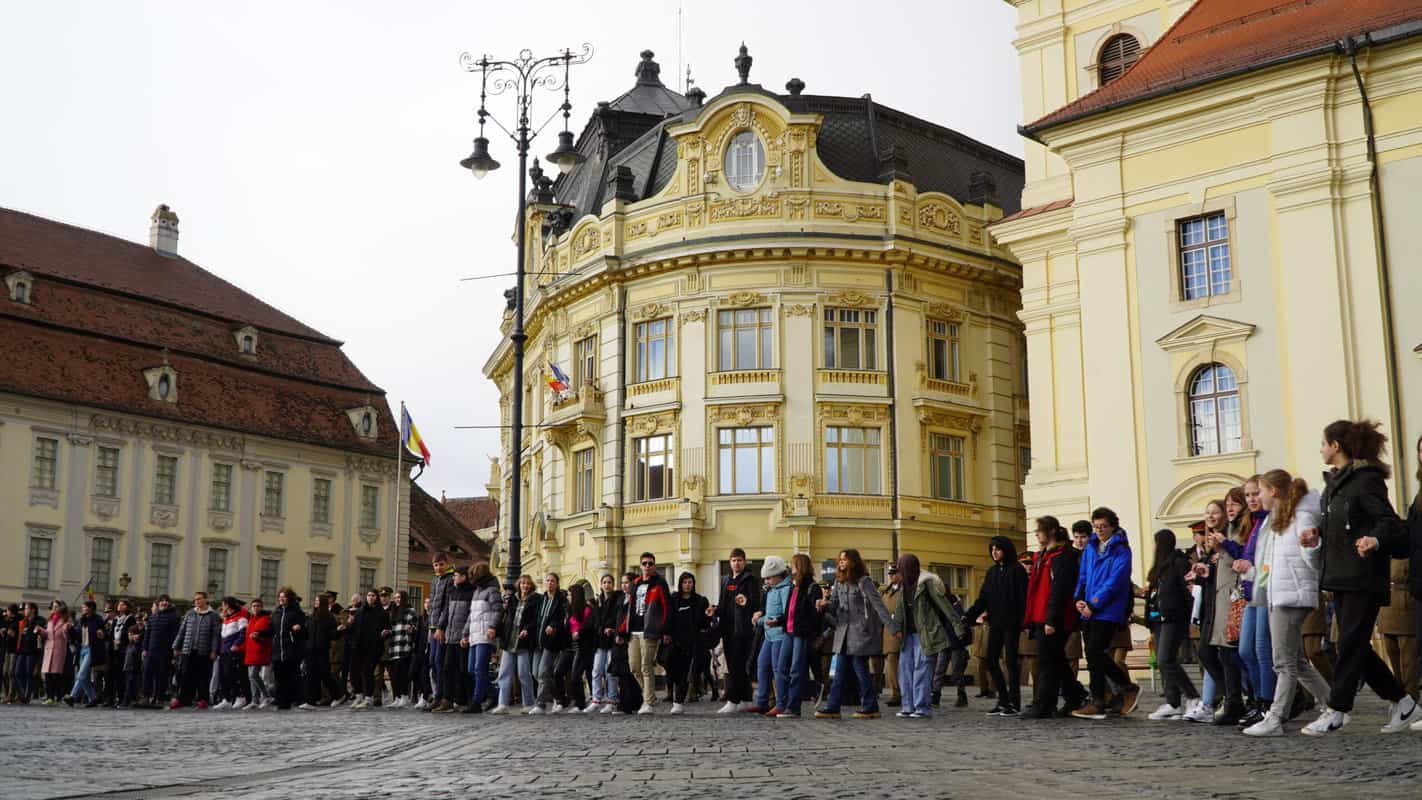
<point x="257" y="652"/>
<point x="645" y="627"/>
<point x="1052" y="617"/>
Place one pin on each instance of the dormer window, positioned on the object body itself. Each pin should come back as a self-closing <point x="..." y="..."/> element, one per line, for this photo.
<point x="165" y="387"/>
<point x="246" y="340"/>
<point x="162" y="382"/>
<point x="365" y="422"/>
<point x="20" y="284"/>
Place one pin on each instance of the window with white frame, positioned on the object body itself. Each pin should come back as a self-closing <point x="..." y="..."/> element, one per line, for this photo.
<point x="101" y="563"/>
<point x="165" y="480"/>
<point x="160" y="565"/>
<point x="269" y="579"/>
<point x="653" y="462"/>
<point x="852" y="461"/>
<point x="106" y="467"/>
<point x="583" y="473"/>
<point x="745" y="161"/>
<point x="1214" y="411"/>
<point x="656" y="350"/>
<point x="945" y="459"/>
<point x="584" y="362"/>
<point x="37" y="572"/>
<point x="944" y="348"/>
<point x="273" y="494"/>
<point x="367" y="578"/>
<point x="320" y="500"/>
<point x="958" y="580"/>
<point x="370" y="506"/>
<point x="46" y="463"/>
<point x="850" y="338"/>
<point x="221" y="487"/>
<point x="217" y="571"/>
<point x="746" y="460"/>
<point x="745" y="339"/>
<point x="1205" y="269"/>
<point x="317" y="575"/>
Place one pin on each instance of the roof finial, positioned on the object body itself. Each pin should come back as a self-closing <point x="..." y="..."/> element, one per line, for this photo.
<point x="648" y="71"/>
<point x="743" y="64"/>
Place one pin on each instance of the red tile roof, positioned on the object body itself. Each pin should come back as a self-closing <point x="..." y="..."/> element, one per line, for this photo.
<point x="433" y="528"/>
<point x="1035" y="210"/>
<point x="82" y="341"/>
<point x="474" y="512"/>
<point x="1218" y="38"/>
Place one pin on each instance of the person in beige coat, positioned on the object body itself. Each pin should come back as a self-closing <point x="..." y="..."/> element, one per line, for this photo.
<point x="1397" y="622"/>
<point x="888" y="665"/>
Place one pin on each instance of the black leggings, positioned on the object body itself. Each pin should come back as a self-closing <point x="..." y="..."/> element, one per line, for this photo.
<point x="1000" y="638"/>
<point x="318" y="675"/>
<point x="679" y="671"/>
<point x="365" y="673"/>
<point x="1223" y="665"/>
<point x="399" y="676"/>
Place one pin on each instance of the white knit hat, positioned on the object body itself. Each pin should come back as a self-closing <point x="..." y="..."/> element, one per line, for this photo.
<point x="774" y="565"/>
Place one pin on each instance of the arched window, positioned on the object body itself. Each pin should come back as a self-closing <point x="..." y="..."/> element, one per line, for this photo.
<point x="1214" y="411"/>
<point x="1117" y="56"/>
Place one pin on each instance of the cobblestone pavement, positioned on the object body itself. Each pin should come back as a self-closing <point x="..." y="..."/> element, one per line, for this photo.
<point x="60" y="753"/>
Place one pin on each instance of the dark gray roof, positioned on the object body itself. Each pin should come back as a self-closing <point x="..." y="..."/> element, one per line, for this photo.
<point x="649" y="95"/>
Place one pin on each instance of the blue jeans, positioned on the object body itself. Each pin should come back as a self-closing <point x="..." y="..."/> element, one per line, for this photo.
<point x="436" y="656"/>
<point x="916" y="670"/>
<point x="81" y="676"/>
<point x="604" y="686"/>
<point x="867" y="701"/>
<point x="1256" y="650"/>
<point x="792" y="674"/>
<point x="24" y="670"/>
<point x="479" y="656"/>
<point x="521" y="663"/>
<point x="765" y="663"/>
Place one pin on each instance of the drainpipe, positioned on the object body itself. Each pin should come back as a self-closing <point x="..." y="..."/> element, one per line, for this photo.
<point x="1350" y="46"/>
<point x="621" y="426"/>
<point x="893" y="415"/>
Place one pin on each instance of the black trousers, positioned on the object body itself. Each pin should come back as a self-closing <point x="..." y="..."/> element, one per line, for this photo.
<point x="1000" y="638"/>
<point x="1224" y="666"/>
<point x="1054" y="676"/>
<point x="679" y="664"/>
<point x="288" y="682"/>
<point x="1169" y="639"/>
<point x="318" y="675"/>
<point x="156" y="672"/>
<point x="197" y="676"/>
<point x="1096" y="639"/>
<point x="1358" y="662"/>
<point x="738" y="660"/>
<point x="453" y="674"/>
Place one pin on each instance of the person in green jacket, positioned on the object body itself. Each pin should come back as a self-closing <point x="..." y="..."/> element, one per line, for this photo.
<point x="924" y="615"/>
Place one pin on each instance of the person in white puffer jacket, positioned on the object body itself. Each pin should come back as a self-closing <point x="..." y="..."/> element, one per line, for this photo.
<point x="1287" y="571"/>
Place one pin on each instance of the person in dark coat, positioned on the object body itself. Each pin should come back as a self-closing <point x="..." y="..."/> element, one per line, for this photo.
<point x="157" y="645"/>
<point x="688" y="620"/>
<point x="196" y="646"/>
<point x="552" y="638"/>
<point x="604" y="684"/>
<point x="117" y="631"/>
<point x="89" y="633"/>
<point x="368" y="633"/>
<point x="740" y="599"/>
<point x="321" y="632"/>
<point x="1002" y="604"/>
<point x="1051" y="614"/>
<point x="288" y="647"/>
<point x="1166" y="586"/>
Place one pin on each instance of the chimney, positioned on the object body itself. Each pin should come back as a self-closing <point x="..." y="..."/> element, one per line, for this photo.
<point x="163" y="234"/>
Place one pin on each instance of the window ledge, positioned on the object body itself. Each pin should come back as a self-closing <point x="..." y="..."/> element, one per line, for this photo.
<point x="164" y="516"/>
<point x="106" y="507"/>
<point x="321" y="529"/>
<point x="275" y="524"/>
<point x="1216" y="458"/>
<point x="44" y="497"/>
<point x="369" y="535"/>
<point x="219" y="520"/>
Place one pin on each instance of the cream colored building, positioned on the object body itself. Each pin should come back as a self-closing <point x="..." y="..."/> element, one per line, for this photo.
<point x="162" y="431"/>
<point x="788" y="330"/>
<point x="1205" y="283"/>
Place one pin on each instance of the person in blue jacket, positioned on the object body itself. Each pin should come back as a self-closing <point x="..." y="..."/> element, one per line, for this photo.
<point x="1103" y="598"/>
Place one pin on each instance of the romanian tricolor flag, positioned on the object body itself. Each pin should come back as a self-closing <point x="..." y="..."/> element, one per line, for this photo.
<point x="557" y="379"/>
<point x="410" y="436"/>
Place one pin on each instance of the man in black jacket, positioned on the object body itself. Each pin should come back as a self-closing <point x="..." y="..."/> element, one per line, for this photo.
<point x="740" y="599"/>
<point x="439" y="618"/>
<point x="646" y="627"/>
<point x="1051" y="613"/>
<point x="1001" y="604"/>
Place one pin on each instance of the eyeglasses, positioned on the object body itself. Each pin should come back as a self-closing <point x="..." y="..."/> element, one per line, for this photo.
<point x="649" y="563"/>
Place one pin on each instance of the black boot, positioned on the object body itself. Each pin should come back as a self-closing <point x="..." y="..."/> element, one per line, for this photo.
<point x="962" y="698"/>
<point x="1230" y="713"/>
<point x="1303" y="701"/>
<point x="1255" y="713"/>
<point x="937" y="697"/>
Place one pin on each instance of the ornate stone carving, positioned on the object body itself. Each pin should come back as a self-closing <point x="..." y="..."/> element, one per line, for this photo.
<point x="939" y="216"/>
<point x="670" y="219"/>
<point x="854" y="413"/>
<point x="586" y="242"/>
<point x="649" y="424"/>
<point x="795" y="206"/>
<point x="948" y="419"/>
<point x="79" y="440"/>
<point x="164" y="432"/>
<point x="636" y="230"/>
<point x="651" y="311"/>
<point x="693" y="315"/>
<point x="273" y="524"/>
<point x="369" y="535"/>
<point x="695" y="211"/>
<point x="745" y="208"/>
<point x="744" y="415"/>
<point x="163" y="516"/>
<point x="693" y="488"/>
<point x="106" y="507"/>
<point x="852" y="299"/>
<point x="945" y="312"/>
<point x="585" y="330"/>
<point x="905" y="215"/>
<point x="798" y="310"/>
<point x="379" y="467"/>
<point x="745" y="298"/>
<point x="219" y="520"/>
<point x="802" y="484"/>
<point x="743" y="115"/>
<point x="849" y="212"/>
<point x="44" y="497"/>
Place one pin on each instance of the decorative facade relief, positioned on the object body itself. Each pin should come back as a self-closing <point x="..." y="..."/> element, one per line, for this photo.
<point x="744" y="299"/>
<point x="940" y="217"/>
<point x="851" y="299"/>
<point x="745" y="208"/>
<point x="163" y="432"/>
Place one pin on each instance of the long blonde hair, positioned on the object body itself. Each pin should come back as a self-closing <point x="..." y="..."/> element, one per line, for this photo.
<point x="1290" y="491"/>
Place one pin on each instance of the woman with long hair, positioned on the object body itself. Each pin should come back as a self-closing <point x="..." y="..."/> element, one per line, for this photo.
<point x="318" y="658"/>
<point x="516" y="626"/>
<point x="1166" y="584"/>
<point x="1286" y="576"/>
<point x="575" y="662"/>
<point x="368" y="636"/>
<point x="604" y="685"/>
<point x="686" y="621"/>
<point x="802" y="629"/>
<point x="56" y="651"/>
<point x="1219" y="649"/>
<point x="404" y="622"/>
<point x="924" y="619"/>
<point x="859" y="618"/>
<point x="1359" y="531"/>
<point x="550" y="639"/>
<point x="1255" y="646"/>
<point x="486" y="605"/>
<point x="27" y="649"/>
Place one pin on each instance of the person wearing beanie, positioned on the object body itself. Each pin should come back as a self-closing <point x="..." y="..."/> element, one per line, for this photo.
<point x="772" y="622"/>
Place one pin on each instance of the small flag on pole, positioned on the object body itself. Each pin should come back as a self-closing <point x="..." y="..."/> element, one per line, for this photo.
<point x="414" y="445"/>
<point x="557" y="379"/>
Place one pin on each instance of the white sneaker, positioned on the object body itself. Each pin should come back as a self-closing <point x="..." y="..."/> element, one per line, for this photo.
<point x="1327" y="722"/>
<point x="677" y="708"/>
<point x="306" y="707"/>
<point x="1200" y="712"/>
<point x="1416" y="726"/>
<point x="223" y="706"/>
<point x="536" y="710"/>
<point x="592" y="708"/>
<point x="1269" y="726"/>
<point x="645" y="709"/>
<point x="362" y="702"/>
<point x="422" y="705"/>
<point x="499" y="709"/>
<point x="728" y="708"/>
<point x="268" y="703"/>
<point x="744" y="706"/>
<point x="558" y="708"/>
<point x="575" y="710"/>
<point x="1403" y="714"/>
<point x="239" y="704"/>
<point x="401" y="702"/>
<point x="608" y="708"/>
<point x="1166" y="711"/>
<point x="252" y="706"/>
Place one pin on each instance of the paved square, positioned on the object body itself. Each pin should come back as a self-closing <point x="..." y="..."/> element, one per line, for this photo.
<point x="59" y="753"/>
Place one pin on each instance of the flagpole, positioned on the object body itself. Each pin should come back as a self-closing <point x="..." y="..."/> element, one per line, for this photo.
<point x="399" y="468"/>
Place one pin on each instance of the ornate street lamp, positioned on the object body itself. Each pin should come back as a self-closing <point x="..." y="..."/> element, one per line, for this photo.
<point x="521" y="76"/>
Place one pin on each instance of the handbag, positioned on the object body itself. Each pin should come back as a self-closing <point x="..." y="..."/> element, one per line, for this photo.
<point x="1237" y="605"/>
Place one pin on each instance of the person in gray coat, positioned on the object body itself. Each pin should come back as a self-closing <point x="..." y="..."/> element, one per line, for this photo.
<point x="195" y="645"/>
<point x="858" y="633"/>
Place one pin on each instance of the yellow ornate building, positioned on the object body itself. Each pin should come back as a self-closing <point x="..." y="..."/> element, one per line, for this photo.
<point x="787" y="328"/>
<point x="1214" y="243"/>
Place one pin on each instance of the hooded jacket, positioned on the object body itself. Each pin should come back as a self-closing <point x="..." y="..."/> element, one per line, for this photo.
<point x="1004" y="592"/>
<point x="200" y="632"/>
<point x="160" y="631"/>
<point x="1105" y="578"/>
<point x="735" y="621"/>
<point x="1355" y="504"/>
<point x="288" y="644"/>
<point x="935" y="620"/>
<point x="1173" y="599"/>
<point x="688" y="615"/>
<point x="654" y="612"/>
<point x="486" y="605"/>
<point x="777" y="598"/>
<point x="234" y="631"/>
<point x="439" y="600"/>
<point x="257" y="647"/>
<point x="1049" y="588"/>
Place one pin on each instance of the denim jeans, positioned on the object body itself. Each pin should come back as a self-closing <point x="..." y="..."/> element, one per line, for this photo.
<point x="604" y="686"/>
<point x="82" y="683"/>
<point x="436" y="665"/>
<point x="792" y="674"/>
<point x="479" y="655"/>
<point x="916" y="670"/>
<point x="868" y="702"/>
<point x="1209" y="689"/>
<point x="765" y="672"/>
<point x="258" y="686"/>
<point x="520" y="663"/>
<point x="1256" y="650"/>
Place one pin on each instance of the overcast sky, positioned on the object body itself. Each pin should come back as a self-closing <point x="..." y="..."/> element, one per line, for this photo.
<point x="311" y="148"/>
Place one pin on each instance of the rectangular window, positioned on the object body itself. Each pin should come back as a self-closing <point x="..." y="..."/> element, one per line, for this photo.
<point x="852" y="460"/>
<point x="272" y="495"/>
<point x="1205" y="269"/>
<point x="37" y="576"/>
<point x="946" y="465"/>
<point x="165" y="480"/>
<point x="320" y="500"/>
<point x="584" y="362"/>
<point x="370" y="506"/>
<point x="417" y="596"/>
<point x="216" y="572"/>
<point x="160" y="563"/>
<point x="367" y="578"/>
<point x="46" y="465"/>
<point x="101" y="563"/>
<point x="221" y="487"/>
<point x="653" y="479"/>
<point x="318" y="577"/>
<point x="943" y="351"/>
<point x="850" y="338"/>
<point x="1024" y="463"/>
<point x="747" y="460"/>
<point x="583" y="479"/>
<point x="958" y="580"/>
<point x="745" y="339"/>
<point x="656" y="350"/>
<point x="270" y="580"/>
<point x="106" y="472"/>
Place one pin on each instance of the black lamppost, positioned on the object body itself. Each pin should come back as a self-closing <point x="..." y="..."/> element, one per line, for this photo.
<point x="521" y="76"/>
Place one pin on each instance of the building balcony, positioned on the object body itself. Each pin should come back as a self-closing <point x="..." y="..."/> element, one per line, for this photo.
<point x="586" y="405"/>
<point x="852" y="381"/>
<point x="940" y="510"/>
<point x="855" y="506"/>
<point x="662" y="390"/>
<point x="742" y="382"/>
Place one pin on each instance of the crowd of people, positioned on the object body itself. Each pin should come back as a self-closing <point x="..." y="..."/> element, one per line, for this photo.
<point x="1250" y="600"/>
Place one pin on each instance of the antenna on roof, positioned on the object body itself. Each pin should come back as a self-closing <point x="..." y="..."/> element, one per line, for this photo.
<point x="678" y="46"/>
